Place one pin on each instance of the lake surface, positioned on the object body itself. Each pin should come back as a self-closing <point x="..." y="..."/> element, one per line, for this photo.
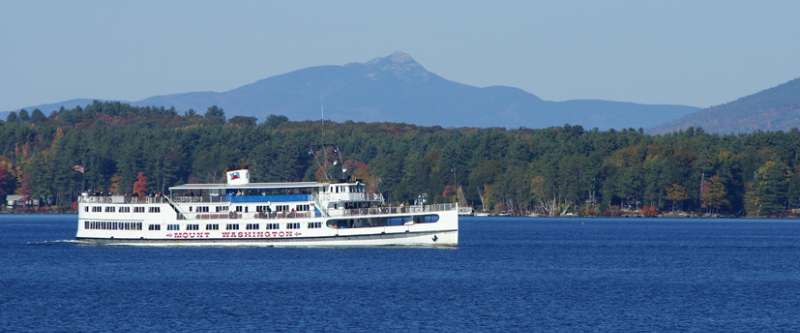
<point x="509" y="274"/>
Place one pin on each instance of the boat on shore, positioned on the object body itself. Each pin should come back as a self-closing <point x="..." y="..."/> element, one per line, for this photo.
<point x="240" y="213"/>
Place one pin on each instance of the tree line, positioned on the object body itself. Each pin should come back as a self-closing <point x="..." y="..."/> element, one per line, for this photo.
<point x="110" y="147"/>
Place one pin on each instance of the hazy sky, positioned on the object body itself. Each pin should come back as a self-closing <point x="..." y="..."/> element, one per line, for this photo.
<point x="684" y="52"/>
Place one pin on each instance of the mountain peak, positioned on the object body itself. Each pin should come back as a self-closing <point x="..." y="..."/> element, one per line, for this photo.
<point x="398" y="64"/>
<point x="396" y="58"/>
<point x="400" y="57"/>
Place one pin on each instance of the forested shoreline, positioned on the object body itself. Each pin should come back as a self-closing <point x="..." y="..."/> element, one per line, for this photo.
<point x="110" y="147"/>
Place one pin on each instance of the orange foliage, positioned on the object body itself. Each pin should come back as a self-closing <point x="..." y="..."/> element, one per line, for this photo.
<point x="140" y="186"/>
<point x="649" y="211"/>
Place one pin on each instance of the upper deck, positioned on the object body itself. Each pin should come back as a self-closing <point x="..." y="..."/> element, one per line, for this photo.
<point x="221" y="187"/>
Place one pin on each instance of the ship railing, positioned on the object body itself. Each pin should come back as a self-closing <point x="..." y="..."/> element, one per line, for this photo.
<point x="260" y="215"/>
<point x="199" y="199"/>
<point x="215" y="216"/>
<point x="120" y="199"/>
<point x="349" y="196"/>
<point x="397" y="210"/>
<point x="343" y="196"/>
<point x="283" y="215"/>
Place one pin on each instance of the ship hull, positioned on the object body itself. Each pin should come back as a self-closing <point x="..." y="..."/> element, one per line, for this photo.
<point x="445" y="238"/>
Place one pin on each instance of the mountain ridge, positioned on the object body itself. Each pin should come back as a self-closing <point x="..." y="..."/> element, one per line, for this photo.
<point x="773" y="109"/>
<point x="396" y="88"/>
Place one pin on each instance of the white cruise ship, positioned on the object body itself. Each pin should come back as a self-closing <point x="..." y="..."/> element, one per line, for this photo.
<point x="241" y="213"/>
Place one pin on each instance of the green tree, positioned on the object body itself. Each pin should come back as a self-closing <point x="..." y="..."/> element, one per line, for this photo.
<point x="24" y="116"/>
<point x="215" y="115"/>
<point x="8" y="182"/>
<point x="37" y="116"/>
<point x="771" y="188"/>
<point x="241" y="121"/>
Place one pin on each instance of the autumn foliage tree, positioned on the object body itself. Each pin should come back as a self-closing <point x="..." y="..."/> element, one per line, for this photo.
<point x="114" y="184"/>
<point x="713" y="197"/>
<point x="676" y="194"/>
<point x="140" y="186"/>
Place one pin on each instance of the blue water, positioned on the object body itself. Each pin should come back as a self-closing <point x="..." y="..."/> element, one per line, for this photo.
<point x="509" y="274"/>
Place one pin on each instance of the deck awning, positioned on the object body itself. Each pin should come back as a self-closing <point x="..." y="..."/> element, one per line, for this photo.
<point x="250" y="186"/>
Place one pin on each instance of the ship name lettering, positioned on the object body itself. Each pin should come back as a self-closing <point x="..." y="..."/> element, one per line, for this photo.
<point x="242" y="234"/>
<point x="190" y="235"/>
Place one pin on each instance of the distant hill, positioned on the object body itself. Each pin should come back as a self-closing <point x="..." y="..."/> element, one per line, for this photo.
<point x="47" y="108"/>
<point x="396" y="88"/>
<point x="774" y="109"/>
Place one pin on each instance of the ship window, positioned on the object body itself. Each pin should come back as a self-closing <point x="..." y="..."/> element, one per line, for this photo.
<point x="138" y="209"/>
<point x="212" y="226"/>
<point x="398" y="220"/>
<point x="231" y="227"/>
<point x="173" y="227"/>
<point x="124" y="210"/>
<point x="221" y="209"/>
<point x="192" y="227"/>
<point x="263" y="209"/>
<point x="97" y="209"/>
<point x="294" y="225"/>
<point x="282" y="208"/>
<point x="104" y="225"/>
<point x="202" y="209"/>
<point x="367" y="222"/>
<point x="238" y="209"/>
<point x="110" y="209"/>
<point x="86" y="209"/>
<point x="426" y="218"/>
<point x="273" y="226"/>
<point x="302" y="208"/>
<point x="252" y="226"/>
<point x="314" y="225"/>
<point x="154" y="210"/>
<point x="154" y="227"/>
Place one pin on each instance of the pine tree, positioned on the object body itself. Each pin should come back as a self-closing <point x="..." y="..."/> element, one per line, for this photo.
<point x="771" y="188"/>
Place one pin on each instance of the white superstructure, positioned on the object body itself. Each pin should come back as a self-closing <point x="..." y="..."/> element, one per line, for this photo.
<point x="278" y="214"/>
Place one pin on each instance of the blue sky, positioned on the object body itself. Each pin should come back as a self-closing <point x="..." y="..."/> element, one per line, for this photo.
<point x="698" y="53"/>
